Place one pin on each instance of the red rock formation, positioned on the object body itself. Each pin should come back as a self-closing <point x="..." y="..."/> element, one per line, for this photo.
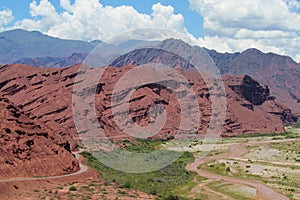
<point x="251" y="109"/>
<point x="46" y="94"/>
<point x="28" y="148"/>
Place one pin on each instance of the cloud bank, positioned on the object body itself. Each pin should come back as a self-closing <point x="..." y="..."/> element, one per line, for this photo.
<point x="6" y="16"/>
<point x="90" y="20"/>
<point x="232" y="25"/>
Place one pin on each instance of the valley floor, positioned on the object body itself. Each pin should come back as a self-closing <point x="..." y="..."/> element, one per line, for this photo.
<point x="265" y="167"/>
<point x="245" y="167"/>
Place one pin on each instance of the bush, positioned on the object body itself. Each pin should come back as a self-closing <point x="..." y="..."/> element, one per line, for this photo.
<point x="126" y="185"/>
<point x="153" y="192"/>
<point x="172" y="197"/>
<point x="72" y="188"/>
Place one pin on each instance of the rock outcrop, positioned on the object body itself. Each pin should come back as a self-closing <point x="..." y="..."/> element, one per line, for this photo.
<point x="280" y="73"/>
<point x="47" y="95"/>
<point x="28" y="147"/>
<point x="251" y="108"/>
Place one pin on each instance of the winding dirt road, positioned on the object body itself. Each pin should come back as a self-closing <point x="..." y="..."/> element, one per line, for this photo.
<point x="83" y="169"/>
<point x="236" y="151"/>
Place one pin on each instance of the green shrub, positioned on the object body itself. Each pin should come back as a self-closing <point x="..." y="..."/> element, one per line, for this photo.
<point x="297" y="125"/>
<point x="126" y="185"/>
<point x="72" y="188"/>
<point x="153" y="192"/>
<point x="172" y="197"/>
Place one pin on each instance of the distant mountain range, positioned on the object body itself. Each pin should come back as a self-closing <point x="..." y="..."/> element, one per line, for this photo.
<point x="17" y="44"/>
<point x="280" y="73"/>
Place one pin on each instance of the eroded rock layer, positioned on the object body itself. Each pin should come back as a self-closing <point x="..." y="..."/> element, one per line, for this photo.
<point x="28" y="147"/>
<point x="47" y="95"/>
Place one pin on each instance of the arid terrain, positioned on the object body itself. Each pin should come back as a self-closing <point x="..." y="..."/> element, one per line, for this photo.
<point x="248" y="167"/>
<point x="49" y="144"/>
<point x="37" y="118"/>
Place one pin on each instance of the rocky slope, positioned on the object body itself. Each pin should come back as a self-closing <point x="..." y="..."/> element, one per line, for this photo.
<point x="252" y="108"/>
<point x="28" y="147"/>
<point x="47" y="94"/>
<point x="280" y="73"/>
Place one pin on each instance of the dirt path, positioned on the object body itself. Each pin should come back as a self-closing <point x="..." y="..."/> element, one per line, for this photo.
<point x="83" y="169"/>
<point x="236" y="151"/>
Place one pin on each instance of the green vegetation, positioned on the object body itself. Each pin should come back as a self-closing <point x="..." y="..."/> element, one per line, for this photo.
<point x="288" y="146"/>
<point x="270" y="174"/>
<point x="253" y="135"/>
<point x="87" y="188"/>
<point x="72" y="188"/>
<point x="184" y="190"/>
<point x="143" y="146"/>
<point x="219" y="168"/>
<point x="230" y="190"/>
<point x="161" y="183"/>
<point x="297" y="125"/>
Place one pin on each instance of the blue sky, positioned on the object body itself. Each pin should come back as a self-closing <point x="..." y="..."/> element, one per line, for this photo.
<point x="224" y="25"/>
<point x="193" y="20"/>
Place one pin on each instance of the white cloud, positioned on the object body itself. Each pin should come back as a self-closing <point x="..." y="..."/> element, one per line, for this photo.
<point x="293" y="4"/>
<point x="261" y="34"/>
<point x="6" y="16"/>
<point x="219" y="15"/>
<point x="234" y="25"/>
<point x="90" y="20"/>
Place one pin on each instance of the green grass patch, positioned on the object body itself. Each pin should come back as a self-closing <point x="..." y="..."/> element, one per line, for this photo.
<point x="162" y="183"/>
<point x="297" y="125"/>
<point x="217" y="168"/>
<point x="221" y="187"/>
<point x="184" y="190"/>
<point x="143" y="146"/>
<point x="255" y="135"/>
<point x="289" y="146"/>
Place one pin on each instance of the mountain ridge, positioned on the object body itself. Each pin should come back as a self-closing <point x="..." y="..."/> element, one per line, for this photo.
<point x="85" y="46"/>
<point x="280" y="73"/>
<point x="18" y="43"/>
